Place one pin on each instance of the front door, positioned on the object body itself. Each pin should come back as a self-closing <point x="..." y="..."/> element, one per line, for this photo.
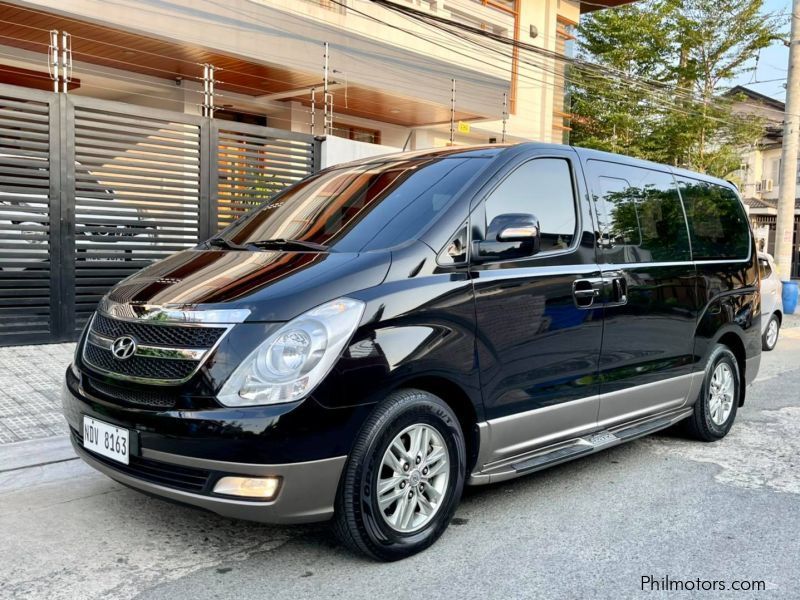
<point x="539" y="325"/>
<point x="650" y="314"/>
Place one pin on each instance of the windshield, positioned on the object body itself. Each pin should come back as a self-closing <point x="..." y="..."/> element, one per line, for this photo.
<point x="360" y="208"/>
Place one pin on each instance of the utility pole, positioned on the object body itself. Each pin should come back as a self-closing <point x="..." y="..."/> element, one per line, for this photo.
<point x="784" y="226"/>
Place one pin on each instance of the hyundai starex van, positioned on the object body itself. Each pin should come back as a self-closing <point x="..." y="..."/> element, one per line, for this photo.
<point x="376" y="337"/>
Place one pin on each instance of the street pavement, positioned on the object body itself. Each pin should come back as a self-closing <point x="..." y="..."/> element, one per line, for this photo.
<point x="663" y="506"/>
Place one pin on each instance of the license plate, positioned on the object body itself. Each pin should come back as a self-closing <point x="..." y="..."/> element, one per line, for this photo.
<point x="105" y="439"/>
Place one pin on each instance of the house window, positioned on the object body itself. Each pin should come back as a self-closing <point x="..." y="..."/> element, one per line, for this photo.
<point x="357" y="133"/>
<point x="231" y="114"/>
<point x="565" y="45"/>
<point x="776" y="171"/>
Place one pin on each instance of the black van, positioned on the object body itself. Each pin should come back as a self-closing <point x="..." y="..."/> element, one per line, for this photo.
<point x="379" y="335"/>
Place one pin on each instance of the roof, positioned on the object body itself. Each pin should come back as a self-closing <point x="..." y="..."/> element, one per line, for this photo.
<point x="767" y="203"/>
<point x="759" y="203"/>
<point x="648" y="164"/>
<point x="493" y="150"/>
<point x="758" y="97"/>
<point x="587" y="7"/>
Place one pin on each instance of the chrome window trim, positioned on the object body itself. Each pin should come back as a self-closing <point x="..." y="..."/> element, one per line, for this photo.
<point x="480" y="205"/>
<point x="675" y="263"/>
<point x="147" y="380"/>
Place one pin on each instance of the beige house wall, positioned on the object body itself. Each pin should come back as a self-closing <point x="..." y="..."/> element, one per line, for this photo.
<point x="403" y="57"/>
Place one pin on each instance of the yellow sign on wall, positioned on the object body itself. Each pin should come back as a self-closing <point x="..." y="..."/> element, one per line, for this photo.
<point x="463" y="127"/>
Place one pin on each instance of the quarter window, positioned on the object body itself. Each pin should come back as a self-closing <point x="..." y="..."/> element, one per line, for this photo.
<point x="717" y="221"/>
<point x="541" y="187"/>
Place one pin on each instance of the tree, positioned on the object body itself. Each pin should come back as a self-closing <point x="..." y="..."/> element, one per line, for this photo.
<point x="650" y="76"/>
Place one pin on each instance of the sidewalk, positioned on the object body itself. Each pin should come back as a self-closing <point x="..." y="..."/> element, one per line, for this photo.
<point x="30" y="383"/>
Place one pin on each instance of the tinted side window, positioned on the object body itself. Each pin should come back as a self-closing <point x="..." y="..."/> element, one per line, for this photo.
<point x="717" y="221"/>
<point x="639" y="214"/>
<point x="542" y="187"/>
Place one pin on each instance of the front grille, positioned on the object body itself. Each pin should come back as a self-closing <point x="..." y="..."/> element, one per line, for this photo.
<point x="179" y="477"/>
<point x="138" y="366"/>
<point x="143" y="367"/>
<point x="128" y="395"/>
<point x="176" y="336"/>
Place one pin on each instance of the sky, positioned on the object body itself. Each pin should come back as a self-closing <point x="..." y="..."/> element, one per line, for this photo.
<point x="773" y="60"/>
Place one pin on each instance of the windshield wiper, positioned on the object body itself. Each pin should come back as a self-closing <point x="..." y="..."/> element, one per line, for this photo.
<point x="276" y="243"/>
<point x="287" y="243"/>
<point x="227" y="244"/>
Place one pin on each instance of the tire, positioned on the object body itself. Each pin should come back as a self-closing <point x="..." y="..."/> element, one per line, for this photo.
<point x="360" y="522"/>
<point x="770" y="339"/>
<point x="709" y="421"/>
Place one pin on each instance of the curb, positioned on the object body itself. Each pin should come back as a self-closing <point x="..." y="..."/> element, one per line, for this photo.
<point x="35" y="453"/>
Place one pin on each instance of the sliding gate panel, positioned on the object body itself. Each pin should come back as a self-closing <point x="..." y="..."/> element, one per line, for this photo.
<point x="91" y="191"/>
<point x="254" y="163"/>
<point x="28" y="181"/>
<point x="137" y="193"/>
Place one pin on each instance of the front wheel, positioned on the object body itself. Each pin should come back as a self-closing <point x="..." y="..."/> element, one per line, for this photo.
<point x="403" y="479"/>
<point x="715" y="409"/>
<point x="770" y="337"/>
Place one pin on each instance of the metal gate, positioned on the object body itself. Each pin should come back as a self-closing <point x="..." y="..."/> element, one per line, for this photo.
<point x="91" y="191"/>
<point x="770" y="222"/>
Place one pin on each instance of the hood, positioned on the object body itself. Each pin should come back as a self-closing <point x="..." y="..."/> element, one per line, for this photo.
<point x="273" y="286"/>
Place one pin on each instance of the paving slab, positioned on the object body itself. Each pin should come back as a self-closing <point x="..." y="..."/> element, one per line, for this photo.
<point x="30" y="382"/>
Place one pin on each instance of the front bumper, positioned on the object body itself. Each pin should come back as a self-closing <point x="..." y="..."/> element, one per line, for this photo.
<point x="307" y="492"/>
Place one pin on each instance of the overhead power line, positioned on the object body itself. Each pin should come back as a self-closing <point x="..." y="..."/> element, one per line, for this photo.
<point x="599" y="70"/>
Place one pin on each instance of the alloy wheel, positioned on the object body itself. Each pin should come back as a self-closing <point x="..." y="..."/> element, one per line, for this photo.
<point x="772" y="333"/>
<point x="413" y="478"/>
<point x="721" y="393"/>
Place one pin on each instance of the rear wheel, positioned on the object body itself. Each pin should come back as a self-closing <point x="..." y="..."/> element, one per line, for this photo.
<point x="715" y="409"/>
<point x="403" y="479"/>
<point x="770" y="337"/>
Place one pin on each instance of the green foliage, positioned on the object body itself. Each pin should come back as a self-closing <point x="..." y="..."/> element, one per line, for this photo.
<point x="663" y="64"/>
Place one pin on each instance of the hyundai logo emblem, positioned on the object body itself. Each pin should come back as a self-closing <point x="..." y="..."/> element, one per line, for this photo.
<point x="123" y="347"/>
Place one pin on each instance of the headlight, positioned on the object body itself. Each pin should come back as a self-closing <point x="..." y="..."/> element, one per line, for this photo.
<point x="294" y="359"/>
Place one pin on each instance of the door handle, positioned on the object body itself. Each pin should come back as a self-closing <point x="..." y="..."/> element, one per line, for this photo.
<point x="617" y="295"/>
<point x="584" y="291"/>
<point x="620" y="286"/>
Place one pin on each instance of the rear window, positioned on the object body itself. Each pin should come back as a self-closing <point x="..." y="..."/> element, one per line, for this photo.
<point x="366" y="207"/>
<point x="717" y="222"/>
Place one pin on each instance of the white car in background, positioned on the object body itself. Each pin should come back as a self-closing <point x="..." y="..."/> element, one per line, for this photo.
<point x="771" y="301"/>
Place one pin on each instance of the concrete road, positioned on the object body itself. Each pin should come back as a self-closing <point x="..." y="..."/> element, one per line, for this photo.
<point x="663" y="506"/>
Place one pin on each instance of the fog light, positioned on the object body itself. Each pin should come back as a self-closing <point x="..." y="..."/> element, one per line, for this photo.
<point x="263" y="488"/>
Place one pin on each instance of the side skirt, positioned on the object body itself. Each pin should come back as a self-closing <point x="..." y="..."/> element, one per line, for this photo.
<point x="549" y="456"/>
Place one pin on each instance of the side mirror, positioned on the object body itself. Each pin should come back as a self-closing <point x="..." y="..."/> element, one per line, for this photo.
<point x="512" y="235"/>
